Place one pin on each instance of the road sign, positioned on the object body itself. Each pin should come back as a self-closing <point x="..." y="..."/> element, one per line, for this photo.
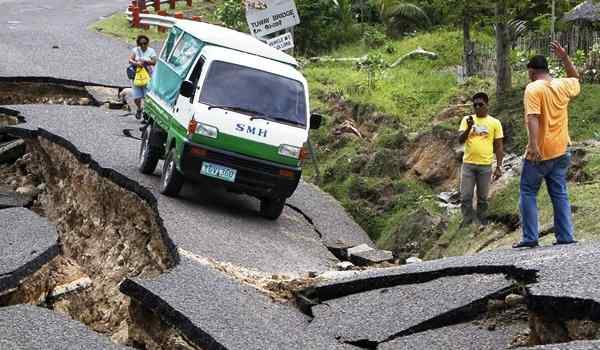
<point x="282" y="42"/>
<point x="269" y="16"/>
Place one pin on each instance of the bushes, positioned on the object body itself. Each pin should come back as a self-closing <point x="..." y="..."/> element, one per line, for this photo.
<point x="324" y="25"/>
<point x="232" y="14"/>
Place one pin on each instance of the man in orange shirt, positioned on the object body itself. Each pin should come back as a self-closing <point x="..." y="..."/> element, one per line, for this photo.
<point x="546" y="101"/>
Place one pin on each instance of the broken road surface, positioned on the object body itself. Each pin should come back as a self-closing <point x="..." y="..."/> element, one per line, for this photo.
<point x="234" y="284"/>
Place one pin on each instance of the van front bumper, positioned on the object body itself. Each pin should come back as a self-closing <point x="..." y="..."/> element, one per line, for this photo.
<point x="256" y="177"/>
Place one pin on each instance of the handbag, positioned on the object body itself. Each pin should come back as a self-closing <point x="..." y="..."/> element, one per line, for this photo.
<point x="131" y="72"/>
<point x="132" y="68"/>
<point x="142" y="77"/>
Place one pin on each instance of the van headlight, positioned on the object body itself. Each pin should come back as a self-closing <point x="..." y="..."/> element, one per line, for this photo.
<point x="207" y="130"/>
<point x="289" y="151"/>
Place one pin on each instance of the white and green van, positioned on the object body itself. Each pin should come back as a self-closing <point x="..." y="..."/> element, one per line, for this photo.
<point x="226" y="108"/>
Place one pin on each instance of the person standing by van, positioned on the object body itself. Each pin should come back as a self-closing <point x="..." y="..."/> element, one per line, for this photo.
<point x="482" y="136"/>
<point x="546" y="102"/>
<point x="145" y="57"/>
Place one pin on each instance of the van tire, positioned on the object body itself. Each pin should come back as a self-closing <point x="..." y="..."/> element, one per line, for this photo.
<point x="148" y="156"/>
<point x="171" y="179"/>
<point x="271" y="208"/>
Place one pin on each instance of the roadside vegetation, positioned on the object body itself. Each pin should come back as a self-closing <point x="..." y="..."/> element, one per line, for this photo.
<point x="388" y="146"/>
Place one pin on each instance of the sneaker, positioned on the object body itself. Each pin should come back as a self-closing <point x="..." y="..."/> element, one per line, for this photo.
<point x="525" y="244"/>
<point x="138" y="114"/>
<point x="563" y="243"/>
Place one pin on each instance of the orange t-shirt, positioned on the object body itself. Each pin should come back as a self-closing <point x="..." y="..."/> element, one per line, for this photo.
<point x="550" y="99"/>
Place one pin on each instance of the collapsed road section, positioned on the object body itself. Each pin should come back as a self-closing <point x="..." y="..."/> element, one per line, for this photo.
<point x="395" y="308"/>
<point x="107" y="229"/>
<point x="45" y="90"/>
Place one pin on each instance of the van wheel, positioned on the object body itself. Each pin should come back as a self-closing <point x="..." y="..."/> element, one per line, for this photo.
<point x="271" y="208"/>
<point x="171" y="179"/>
<point x="148" y="156"/>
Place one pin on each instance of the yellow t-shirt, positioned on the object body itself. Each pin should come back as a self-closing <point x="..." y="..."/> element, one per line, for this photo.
<point x="550" y="99"/>
<point x="479" y="147"/>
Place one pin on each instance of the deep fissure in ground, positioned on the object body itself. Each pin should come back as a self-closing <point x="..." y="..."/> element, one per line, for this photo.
<point x="44" y="91"/>
<point x="107" y="233"/>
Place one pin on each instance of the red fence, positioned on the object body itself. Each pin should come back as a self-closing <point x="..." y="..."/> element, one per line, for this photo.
<point x="139" y="16"/>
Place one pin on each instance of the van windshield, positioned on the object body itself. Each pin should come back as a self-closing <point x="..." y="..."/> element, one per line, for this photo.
<point x="242" y="88"/>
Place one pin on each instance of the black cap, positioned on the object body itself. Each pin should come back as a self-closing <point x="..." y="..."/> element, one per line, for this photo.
<point x="538" y="62"/>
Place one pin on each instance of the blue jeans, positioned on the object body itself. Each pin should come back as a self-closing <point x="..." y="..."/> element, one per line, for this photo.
<point x="554" y="171"/>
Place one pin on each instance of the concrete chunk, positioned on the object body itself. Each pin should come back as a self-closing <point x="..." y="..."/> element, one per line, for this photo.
<point x="103" y="94"/>
<point x="371" y="257"/>
<point x="27" y="241"/>
<point x="358" y="249"/>
<point x="344" y="265"/>
<point x="11" y="151"/>
<point x="12" y="199"/>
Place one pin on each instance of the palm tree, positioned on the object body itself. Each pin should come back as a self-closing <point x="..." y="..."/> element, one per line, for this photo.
<point x="395" y="13"/>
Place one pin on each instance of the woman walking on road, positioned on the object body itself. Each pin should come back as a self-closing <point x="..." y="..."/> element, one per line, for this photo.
<point x="142" y="56"/>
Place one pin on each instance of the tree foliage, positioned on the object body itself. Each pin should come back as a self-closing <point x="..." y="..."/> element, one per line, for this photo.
<point x="400" y="15"/>
<point x="325" y="25"/>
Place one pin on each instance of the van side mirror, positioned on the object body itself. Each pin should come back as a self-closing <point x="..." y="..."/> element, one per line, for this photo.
<point x="187" y="89"/>
<point x="315" y="121"/>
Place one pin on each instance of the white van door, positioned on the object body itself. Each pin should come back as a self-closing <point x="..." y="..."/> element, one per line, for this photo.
<point x="184" y="106"/>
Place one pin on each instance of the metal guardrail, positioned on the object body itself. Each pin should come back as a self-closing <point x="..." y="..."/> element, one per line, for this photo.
<point x="153" y="20"/>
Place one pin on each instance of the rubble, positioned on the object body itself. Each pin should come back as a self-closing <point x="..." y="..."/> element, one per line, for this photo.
<point x="11" y="151"/>
<point x="344" y="265"/>
<point x="413" y="260"/>
<point x="358" y="249"/>
<point x="371" y="257"/>
<point x="514" y="299"/>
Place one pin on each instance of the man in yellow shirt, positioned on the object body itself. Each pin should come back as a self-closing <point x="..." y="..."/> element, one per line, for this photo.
<point x="482" y="136"/>
<point x="546" y="101"/>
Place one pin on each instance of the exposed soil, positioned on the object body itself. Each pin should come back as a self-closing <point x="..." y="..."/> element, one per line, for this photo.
<point x="18" y="93"/>
<point x="106" y="233"/>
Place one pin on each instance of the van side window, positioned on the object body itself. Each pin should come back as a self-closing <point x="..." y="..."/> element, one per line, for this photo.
<point x="168" y="47"/>
<point x="185" y="54"/>
<point x="195" y="76"/>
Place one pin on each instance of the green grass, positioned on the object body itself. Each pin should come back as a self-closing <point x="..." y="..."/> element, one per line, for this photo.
<point x="118" y="26"/>
<point x="413" y="92"/>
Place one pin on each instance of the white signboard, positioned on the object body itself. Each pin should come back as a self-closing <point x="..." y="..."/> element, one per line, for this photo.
<point x="282" y="42"/>
<point x="269" y="16"/>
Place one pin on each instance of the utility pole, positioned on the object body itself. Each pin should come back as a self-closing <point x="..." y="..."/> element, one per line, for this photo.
<point x="553" y="20"/>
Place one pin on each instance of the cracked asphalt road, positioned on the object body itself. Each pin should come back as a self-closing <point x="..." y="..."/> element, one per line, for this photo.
<point x="225" y="227"/>
<point x="32" y="28"/>
<point x="205" y="221"/>
<point x="36" y="328"/>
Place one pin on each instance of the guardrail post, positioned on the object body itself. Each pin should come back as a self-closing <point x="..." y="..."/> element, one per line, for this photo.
<point x="189" y="3"/>
<point x="179" y="15"/>
<point x="145" y="26"/>
<point x="160" y="28"/>
<point x="156" y="5"/>
<point x="135" y="17"/>
<point x="172" y="4"/>
<point x="142" y="4"/>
